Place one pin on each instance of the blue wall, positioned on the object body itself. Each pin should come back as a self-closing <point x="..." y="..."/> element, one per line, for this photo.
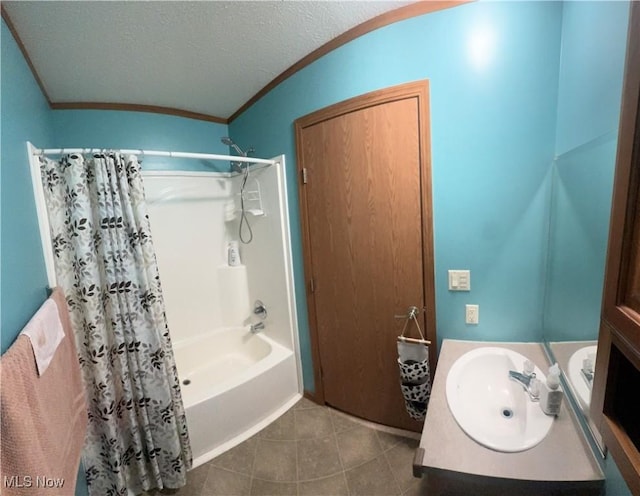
<point x="141" y="130"/>
<point x="590" y="88"/>
<point x="25" y="117"/>
<point x="594" y="37"/>
<point x="493" y="114"/>
<point x="580" y="209"/>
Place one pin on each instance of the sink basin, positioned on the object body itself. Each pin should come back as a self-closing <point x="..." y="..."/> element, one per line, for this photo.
<point x="492" y="409"/>
<point x="578" y="382"/>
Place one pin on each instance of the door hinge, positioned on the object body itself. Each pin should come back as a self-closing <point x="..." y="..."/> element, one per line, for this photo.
<point x="304" y="175"/>
<point x="312" y="285"/>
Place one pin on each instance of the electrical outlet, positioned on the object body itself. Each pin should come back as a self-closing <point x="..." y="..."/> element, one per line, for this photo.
<point x="472" y="314"/>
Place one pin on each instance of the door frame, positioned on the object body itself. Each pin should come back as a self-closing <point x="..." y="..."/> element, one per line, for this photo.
<point x="420" y="91"/>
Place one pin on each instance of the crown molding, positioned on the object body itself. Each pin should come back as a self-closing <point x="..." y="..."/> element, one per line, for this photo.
<point x="25" y="54"/>
<point x="134" y="107"/>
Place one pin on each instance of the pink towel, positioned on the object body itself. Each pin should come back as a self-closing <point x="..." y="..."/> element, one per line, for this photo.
<point x="43" y="418"/>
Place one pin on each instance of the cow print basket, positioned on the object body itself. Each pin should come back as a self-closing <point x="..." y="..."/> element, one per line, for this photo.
<point x="416" y="410"/>
<point x="416" y="392"/>
<point x="414" y="371"/>
<point x="415" y="378"/>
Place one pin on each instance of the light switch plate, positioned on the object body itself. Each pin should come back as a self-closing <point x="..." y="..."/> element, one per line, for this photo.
<point x="459" y="280"/>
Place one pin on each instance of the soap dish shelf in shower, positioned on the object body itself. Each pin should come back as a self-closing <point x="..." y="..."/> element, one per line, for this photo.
<point x="253" y="199"/>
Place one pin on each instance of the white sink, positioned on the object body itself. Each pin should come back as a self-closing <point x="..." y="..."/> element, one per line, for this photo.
<point x="492" y="409"/>
<point x="576" y="378"/>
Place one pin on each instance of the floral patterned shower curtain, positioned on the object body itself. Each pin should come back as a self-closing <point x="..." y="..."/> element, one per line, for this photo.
<point x="137" y="436"/>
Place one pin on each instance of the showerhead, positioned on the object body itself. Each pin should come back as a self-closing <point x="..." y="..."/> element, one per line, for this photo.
<point x="229" y="142"/>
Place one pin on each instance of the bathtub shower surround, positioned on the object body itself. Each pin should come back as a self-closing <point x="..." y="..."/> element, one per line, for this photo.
<point x="234" y="381"/>
<point x="104" y="257"/>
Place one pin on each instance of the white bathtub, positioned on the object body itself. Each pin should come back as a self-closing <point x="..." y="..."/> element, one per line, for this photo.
<point x="238" y="382"/>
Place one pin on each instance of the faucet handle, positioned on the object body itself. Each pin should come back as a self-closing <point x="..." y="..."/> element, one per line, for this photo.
<point x="588" y="363"/>
<point x="529" y="368"/>
<point x="260" y="310"/>
<point x="534" y="388"/>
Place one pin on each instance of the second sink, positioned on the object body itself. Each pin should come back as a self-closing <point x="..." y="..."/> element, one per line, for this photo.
<point x="578" y="381"/>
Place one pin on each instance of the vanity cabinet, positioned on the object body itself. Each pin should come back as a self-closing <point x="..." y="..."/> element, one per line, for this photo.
<point x="615" y="404"/>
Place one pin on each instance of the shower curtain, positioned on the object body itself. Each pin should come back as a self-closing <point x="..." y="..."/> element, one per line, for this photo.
<point x="137" y="435"/>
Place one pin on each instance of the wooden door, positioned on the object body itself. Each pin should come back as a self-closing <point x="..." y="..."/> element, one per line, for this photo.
<point x="366" y="208"/>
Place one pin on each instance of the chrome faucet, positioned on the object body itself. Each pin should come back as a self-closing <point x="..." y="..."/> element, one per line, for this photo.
<point x="255" y="328"/>
<point x="527" y="379"/>
<point x="587" y="369"/>
<point x="588" y="377"/>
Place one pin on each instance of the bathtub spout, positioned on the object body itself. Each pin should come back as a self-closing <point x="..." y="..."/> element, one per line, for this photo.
<point x="257" y="327"/>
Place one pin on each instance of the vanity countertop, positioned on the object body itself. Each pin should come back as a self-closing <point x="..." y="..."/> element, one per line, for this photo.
<point x="563" y="456"/>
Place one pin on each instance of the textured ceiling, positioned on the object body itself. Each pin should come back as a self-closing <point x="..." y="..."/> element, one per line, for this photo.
<point x="205" y="56"/>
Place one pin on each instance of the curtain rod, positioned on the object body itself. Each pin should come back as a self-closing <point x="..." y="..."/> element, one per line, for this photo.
<point x="154" y="153"/>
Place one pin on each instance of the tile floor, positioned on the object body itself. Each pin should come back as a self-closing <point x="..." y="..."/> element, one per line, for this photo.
<point x="311" y="450"/>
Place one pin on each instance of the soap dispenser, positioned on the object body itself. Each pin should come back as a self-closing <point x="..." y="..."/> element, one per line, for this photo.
<point x="551" y="393"/>
<point x="233" y="254"/>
